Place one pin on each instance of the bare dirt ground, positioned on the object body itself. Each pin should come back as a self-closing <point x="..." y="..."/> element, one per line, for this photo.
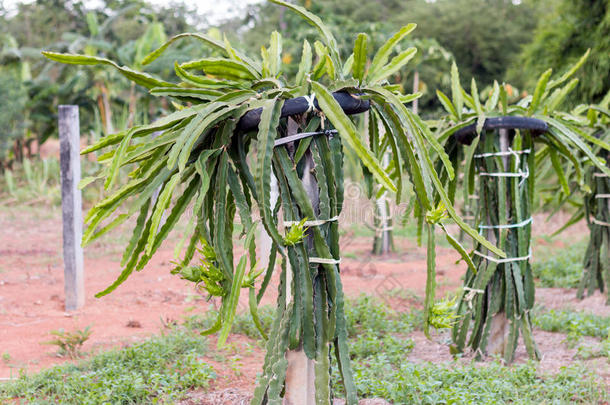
<point x="32" y="304"/>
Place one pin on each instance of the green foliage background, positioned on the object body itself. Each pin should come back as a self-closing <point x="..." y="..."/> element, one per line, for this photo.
<point x="566" y="29"/>
<point x="488" y="39"/>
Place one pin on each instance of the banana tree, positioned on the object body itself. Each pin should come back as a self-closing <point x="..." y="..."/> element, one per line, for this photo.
<point x="235" y="125"/>
<point x="499" y="293"/>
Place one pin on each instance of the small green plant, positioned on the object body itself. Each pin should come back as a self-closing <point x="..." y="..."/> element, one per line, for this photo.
<point x="6" y="358"/>
<point x="236" y="364"/>
<point x="70" y="343"/>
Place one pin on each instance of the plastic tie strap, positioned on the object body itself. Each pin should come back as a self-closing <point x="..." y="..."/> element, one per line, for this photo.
<point x="472" y="292"/>
<point x="520" y="173"/>
<point x="381" y="230"/>
<point x="507" y="260"/>
<point x="510" y="152"/>
<point x="310" y="102"/>
<point x="322" y="260"/>
<point x="508" y="226"/>
<point x="600" y="175"/>
<point x="602" y="196"/>
<point x="598" y="222"/>
<point x="301" y="135"/>
<point x="316" y="222"/>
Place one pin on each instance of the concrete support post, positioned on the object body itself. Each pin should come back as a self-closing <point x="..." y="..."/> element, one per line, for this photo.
<point x="71" y="206"/>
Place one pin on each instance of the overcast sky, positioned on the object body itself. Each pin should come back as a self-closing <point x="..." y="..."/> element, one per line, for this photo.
<point x="215" y="10"/>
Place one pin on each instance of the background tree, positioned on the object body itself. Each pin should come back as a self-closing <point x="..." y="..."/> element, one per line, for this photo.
<point x="124" y="30"/>
<point x="566" y="29"/>
<point x="14" y="71"/>
<point x="485" y="36"/>
<point x="462" y="27"/>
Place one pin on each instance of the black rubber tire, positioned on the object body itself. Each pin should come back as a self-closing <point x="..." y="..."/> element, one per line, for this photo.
<point x="294" y="106"/>
<point x="467" y="134"/>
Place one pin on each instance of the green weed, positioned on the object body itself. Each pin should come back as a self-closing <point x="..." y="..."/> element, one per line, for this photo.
<point x="37" y="182"/>
<point x="69" y="343"/>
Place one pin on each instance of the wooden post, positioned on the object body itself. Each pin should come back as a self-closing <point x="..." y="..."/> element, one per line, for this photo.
<point x="499" y="329"/>
<point x="71" y="206"/>
<point x="300" y="374"/>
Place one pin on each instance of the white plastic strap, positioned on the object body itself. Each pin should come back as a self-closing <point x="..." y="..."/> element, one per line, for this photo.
<point x="310" y="102"/>
<point x="598" y="222"/>
<point x="510" y="152"/>
<point x="316" y="222"/>
<point x="602" y="196"/>
<point x="507" y="260"/>
<point x="508" y="226"/>
<point x="472" y="292"/>
<point x="321" y="260"/>
<point x="383" y="229"/>
<point x="520" y="173"/>
<point x="600" y="175"/>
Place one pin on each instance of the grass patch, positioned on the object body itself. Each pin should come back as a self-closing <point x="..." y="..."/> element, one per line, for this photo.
<point x="578" y="322"/>
<point x="370" y="315"/>
<point x="379" y="346"/>
<point x="559" y="268"/>
<point x="494" y="383"/>
<point x="161" y="369"/>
